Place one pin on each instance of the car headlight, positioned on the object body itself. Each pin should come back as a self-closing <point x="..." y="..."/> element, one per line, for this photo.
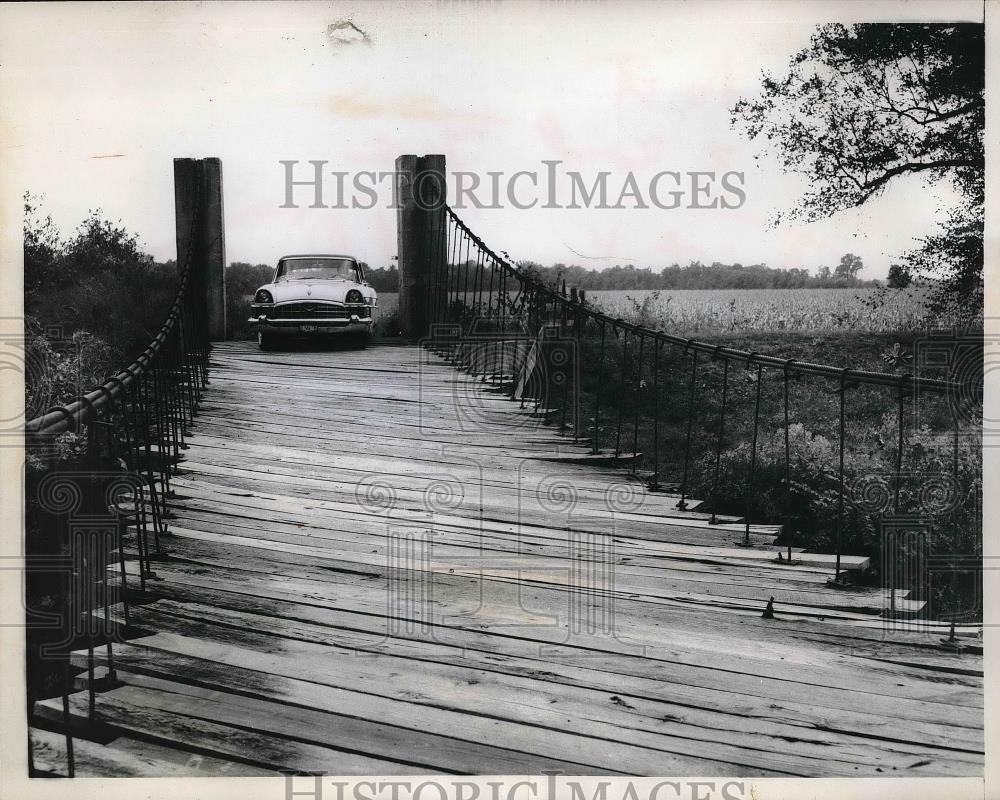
<point x="354" y="296"/>
<point x="263" y="296"/>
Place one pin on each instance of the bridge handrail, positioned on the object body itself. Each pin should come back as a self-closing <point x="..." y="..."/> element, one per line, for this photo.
<point x="905" y="381"/>
<point x="616" y="375"/>
<point x="116" y="476"/>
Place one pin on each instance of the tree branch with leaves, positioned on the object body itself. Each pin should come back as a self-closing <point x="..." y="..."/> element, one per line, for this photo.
<point x="866" y="105"/>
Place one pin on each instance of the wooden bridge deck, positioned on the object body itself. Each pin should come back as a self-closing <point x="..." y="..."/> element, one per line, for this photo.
<point x="379" y="566"/>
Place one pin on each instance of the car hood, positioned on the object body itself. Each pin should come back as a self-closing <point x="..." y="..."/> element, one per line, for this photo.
<point x="331" y="291"/>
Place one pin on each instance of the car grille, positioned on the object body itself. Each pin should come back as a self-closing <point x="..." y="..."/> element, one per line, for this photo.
<point x="314" y="311"/>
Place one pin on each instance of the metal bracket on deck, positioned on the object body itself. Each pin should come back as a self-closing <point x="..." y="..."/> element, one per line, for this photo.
<point x="952" y="643"/>
<point x="840" y="582"/>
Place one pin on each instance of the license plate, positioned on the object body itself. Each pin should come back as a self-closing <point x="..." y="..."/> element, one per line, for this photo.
<point x="308" y="328"/>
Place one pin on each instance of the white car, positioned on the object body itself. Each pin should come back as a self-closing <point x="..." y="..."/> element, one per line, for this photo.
<point x="315" y="295"/>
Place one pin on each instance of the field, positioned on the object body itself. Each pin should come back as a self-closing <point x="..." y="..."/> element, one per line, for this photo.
<point x="793" y="453"/>
<point x="727" y="311"/>
<point x="731" y="310"/>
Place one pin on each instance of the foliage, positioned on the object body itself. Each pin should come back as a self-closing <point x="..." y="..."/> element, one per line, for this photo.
<point x="42" y="246"/>
<point x="621" y="394"/>
<point x="848" y="268"/>
<point x="694" y="275"/>
<point x="383" y="279"/>
<point x="92" y="303"/>
<point x="899" y="277"/>
<point x="60" y="369"/>
<point x="895" y="357"/>
<point x="940" y="490"/>
<point x="650" y="311"/>
<point x="242" y="280"/>
<point x="57" y="370"/>
<point x="865" y="105"/>
<point x="951" y="263"/>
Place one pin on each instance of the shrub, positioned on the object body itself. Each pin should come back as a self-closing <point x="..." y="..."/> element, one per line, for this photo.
<point x="940" y="492"/>
<point x="100" y="281"/>
<point x="242" y="280"/>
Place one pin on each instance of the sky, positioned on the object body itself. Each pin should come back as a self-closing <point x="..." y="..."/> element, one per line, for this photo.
<point x="96" y="101"/>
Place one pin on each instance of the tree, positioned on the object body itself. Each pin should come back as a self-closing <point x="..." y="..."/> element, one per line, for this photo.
<point x="43" y="246"/>
<point x="92" y="302"/>
<point x="99" y="282"/>
<point x="866" y="105"/>
<point x="848" y="268"/>
<point x="899" y="277"/>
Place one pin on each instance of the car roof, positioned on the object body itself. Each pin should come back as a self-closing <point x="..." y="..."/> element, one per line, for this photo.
<point x="316" y="255"/>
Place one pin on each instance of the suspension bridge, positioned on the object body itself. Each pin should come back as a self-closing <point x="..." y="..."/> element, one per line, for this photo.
<point x="498" y="549"/>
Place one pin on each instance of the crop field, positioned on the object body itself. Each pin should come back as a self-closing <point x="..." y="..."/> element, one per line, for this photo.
<point x="733" y="310"/>
<point x="727" y="311"/>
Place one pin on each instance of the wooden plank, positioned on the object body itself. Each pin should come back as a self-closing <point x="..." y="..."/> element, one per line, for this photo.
<point x="632" y="574"/>
<point x="541" y="569"/>
<point x="374" y="640"/>
<point x="222" y="741"/>
<point x="784" y="669"/>
<point x="130" y="758"/>
<point x="275" y="621"/>
<point x="358" y="730"/>
<point x="542" y="742"/>
<point x="700" y="672"/>
<point x="651" y="526"/>
<point x="238" y="685"/>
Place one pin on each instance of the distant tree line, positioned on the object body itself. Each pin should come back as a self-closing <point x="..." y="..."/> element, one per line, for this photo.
<point x="383" y="279"/>
<point x="697" y="275"/>
<point x="244" y="278"/>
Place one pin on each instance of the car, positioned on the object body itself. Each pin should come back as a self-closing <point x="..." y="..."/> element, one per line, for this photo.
<point x="315" y="296"/>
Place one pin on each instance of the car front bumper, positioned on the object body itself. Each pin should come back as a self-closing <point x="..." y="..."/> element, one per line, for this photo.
<point x="315" y="326"/>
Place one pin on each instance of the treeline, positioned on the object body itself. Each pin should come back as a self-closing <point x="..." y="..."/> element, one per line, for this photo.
<point x="242" y="277"/>
<point x="697" y="275"/>
<point x="694" y="275"/>
<point x="383" y="279"/>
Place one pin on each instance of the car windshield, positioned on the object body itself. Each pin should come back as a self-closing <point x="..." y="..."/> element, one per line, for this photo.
<point x="300" y="269"/>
